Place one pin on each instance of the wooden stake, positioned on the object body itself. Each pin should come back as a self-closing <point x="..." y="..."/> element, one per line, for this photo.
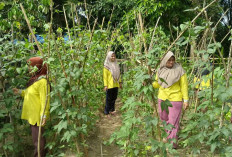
<point x="29" y="25"/>
<point x="69" y="36"/>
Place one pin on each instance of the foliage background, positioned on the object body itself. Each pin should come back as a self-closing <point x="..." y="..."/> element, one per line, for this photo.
<point x="75" y="50"/>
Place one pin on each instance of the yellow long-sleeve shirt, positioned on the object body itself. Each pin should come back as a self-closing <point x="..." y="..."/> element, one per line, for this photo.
<point x="202" y="83"/>
<point x="34" y="102"/>
<point x="108" y="79"/>
<point x="176" y="92"/>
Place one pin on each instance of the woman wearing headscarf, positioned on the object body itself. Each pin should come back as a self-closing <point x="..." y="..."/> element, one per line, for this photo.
<point x="112" y="81"/>
<point x="36" y="97"/>
<point x="171" y="80"/>
<point x="202" y="79"/>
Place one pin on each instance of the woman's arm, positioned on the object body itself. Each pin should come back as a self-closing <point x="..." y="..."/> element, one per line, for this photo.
<point x="105" y="78"/>
<point x="184" y="89"/>
<point x="44" y="99"/>
<point x="155" y="84"/>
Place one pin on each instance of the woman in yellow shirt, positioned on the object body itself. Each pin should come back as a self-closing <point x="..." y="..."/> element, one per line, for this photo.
<point x="202" y="79"/>
<point x="36" y="98"/>
<point x="112" y="81"/>
<point x="171" y="80"/>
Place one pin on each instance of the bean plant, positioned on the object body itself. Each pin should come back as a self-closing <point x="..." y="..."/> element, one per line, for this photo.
<point x="77" y="98"/>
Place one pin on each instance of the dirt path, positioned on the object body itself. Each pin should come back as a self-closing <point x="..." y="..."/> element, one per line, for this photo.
<point x="104" y="128"/>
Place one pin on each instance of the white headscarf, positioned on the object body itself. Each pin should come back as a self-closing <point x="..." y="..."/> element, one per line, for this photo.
<point x="170" y="75"/>
<point x="113" y="67"/>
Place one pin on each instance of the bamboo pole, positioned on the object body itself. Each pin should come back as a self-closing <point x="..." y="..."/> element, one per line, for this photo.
<point x="212" y="83"/>
<point x="153" y="34"/>
<point x="215" y="27"/>
<point x="87" y="15"/>
<point x="225" y="37"/>
<point x="66" y="21"/>
<point x="150" y="73"/>
<point x="29" y="25"/>
<point x="47" y="77"/>
<point x="78" y="21"/>
<point x="41" y="120"/>
<point x="103" y="20"/>
<point x="88" y="46"/>
<point x="227" y="76"/>
<point x="73" y="20"/>
<point x="111" y="15"/>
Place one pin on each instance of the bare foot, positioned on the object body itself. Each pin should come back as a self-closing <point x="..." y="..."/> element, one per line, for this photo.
<point x="165" y="140"/>
<point x="107" y="116"/>
<point x="113" y="113"/>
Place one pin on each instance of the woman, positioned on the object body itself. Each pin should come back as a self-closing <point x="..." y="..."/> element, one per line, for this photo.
<point x="35" y="99"/>
<point x="112" y="81"/>
<point x="171" y="80"/>
<point x="203" y="82"/>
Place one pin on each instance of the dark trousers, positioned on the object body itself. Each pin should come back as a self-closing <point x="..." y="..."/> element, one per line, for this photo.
<point x="111" y="96"/>
<point x="35" y="134"/>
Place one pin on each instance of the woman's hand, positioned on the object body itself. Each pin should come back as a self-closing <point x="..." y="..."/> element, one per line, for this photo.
<point x="185" y="105"/>
<point x="16" y="91"/>
<point x="105" y="88"/>
<point x="43" y="121"/>
<point x="120" y="84"/>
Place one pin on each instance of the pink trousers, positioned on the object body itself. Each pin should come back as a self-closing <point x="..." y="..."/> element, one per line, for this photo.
<point x="172" y="118"/>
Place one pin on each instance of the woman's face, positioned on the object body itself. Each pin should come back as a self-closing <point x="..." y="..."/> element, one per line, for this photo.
<point x="113" y="57"/>
<point x="170" y="62"/>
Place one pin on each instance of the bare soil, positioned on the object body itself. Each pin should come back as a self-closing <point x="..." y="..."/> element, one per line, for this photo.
<point x="104" y="128"/>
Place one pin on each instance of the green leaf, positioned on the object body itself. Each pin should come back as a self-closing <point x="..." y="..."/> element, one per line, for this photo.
<point x="62" y="154"/>
<point x="19" y="70"/>
<point x="165" y="104"/>
<point x="1" y="135"/>
<point x="225" y="131"/>
<point x="66" y="136"/>
<point x="10" y="147"/>
<point x="54" y="106"/>
<point x="61" y="125"/>
<point x="136" y="152"/>
<point x="2" y="5"/>
<point x="162" y="80"/>
<point x="183" y="26"/>
<point x="46" y="26"/>
<point x="198" y="29"/>
<point x="213" y="147"/>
